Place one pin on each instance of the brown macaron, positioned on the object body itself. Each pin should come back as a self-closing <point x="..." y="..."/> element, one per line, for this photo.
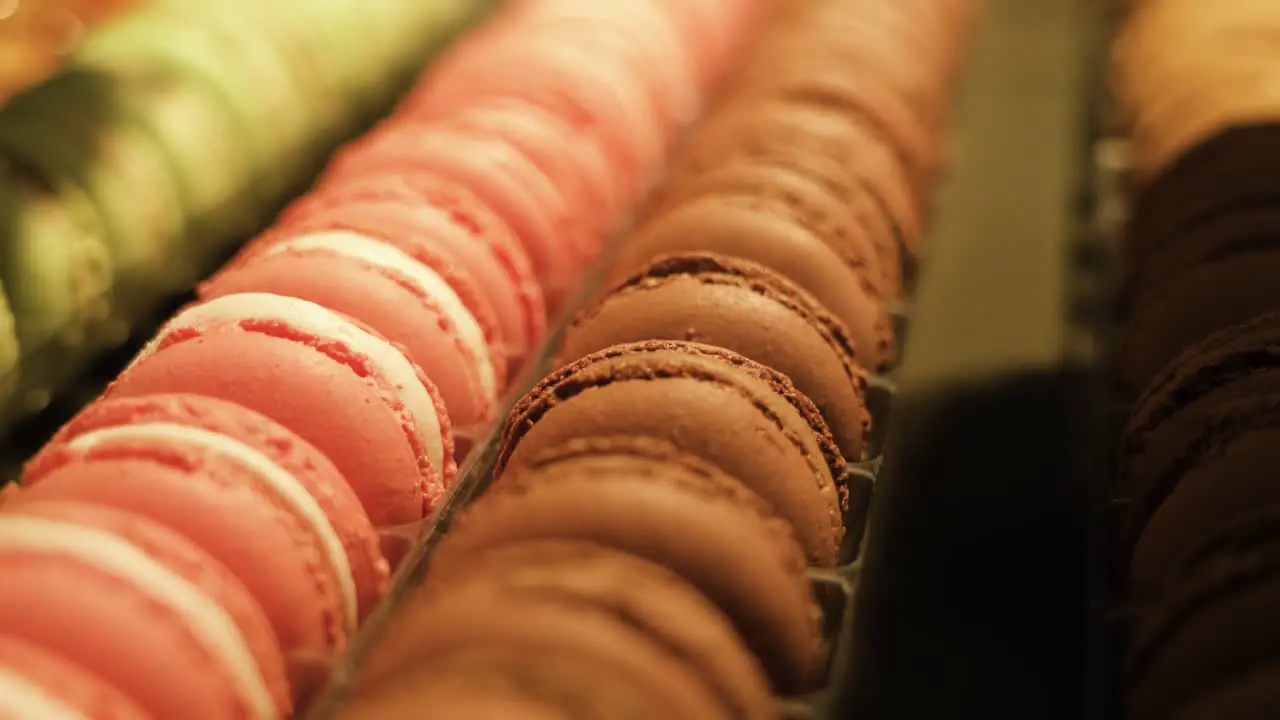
<point x="753" y="311"/>
<point x="805" y="128"/>
<point x="872" y="250"/>
<point x="644" y="497"/>
<point x="728" y="226"/>
<point x="653" y="600"/>
<point x="712" y="403"/>
<point x="508" y="680"/>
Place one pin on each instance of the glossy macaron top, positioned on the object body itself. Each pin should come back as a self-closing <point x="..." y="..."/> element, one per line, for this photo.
<point x="724" y="302"/>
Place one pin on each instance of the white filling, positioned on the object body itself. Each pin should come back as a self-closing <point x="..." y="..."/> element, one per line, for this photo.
<point x="21" y="698"/>
<point x="428" y="281"/>
<point x="281" y="481"/>
<point x="208" y="621"/>
<point x="388" y="363"/>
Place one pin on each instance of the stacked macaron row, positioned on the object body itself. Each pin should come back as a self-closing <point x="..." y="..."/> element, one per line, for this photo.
<point x="1199" y="349"/>
<point x="172" y="134"/>
<point x="698" y="430"/>
<point x="227" y="515"/>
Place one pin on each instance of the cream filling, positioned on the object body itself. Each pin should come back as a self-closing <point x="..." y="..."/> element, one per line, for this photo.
<point x="391" y="258"/>
<point x="387" y="362"/>
<point x="208" y="621"/>
<point x="281" y="481"/>
<point x="21" y="698"/>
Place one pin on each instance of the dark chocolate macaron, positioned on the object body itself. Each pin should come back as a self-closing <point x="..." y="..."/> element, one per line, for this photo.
<point x="753" y="311"/>
<point x="712" y="403"/>
<point x="741" y="228"/>
<point x="1207" y="650"/>
<point x="1211" y="283"/>
<point x="1225" y="471"/>
<point x="1232" y="169"/>
<point x="671" y="614"/>
<point x="1237" y="363"/>
<point x="646" y="498"/>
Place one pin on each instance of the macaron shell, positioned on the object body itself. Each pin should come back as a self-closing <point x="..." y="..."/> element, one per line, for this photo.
<point x="117" y="631"/>
<point x="711" y="225"/>
<point x="579" y="168"/>
<point x="313" y="394"/>
<point x="871" y="246"/>
<point x="706" y="406"/>
<point x="504" y="179"/>
<point x="491" y="613"/>
<point x="54" y="678"/>
<point x="405" y="233"/>
<point x="385" y="304"/>
<point x="705" y="526"/>
<point x="721" y="303"/>
<point x="656" y="600"/>
<point x="226" y="512"/>
<point x="500" y="274"/>
<point x="314" y="471"/>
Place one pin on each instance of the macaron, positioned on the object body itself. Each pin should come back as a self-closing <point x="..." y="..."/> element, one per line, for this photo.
<point x="10" y="351"/>
<point x="1236" y="363"/>
<point x="35" y="682"/>
<point x="856" y="230"/>
<point x="347" y="391"/>
<point x="722" y="301"/>
<point x="645" y="498"/>
<point x="596" y="91"/>
<point x="424" y="236"/>
<point x="1207" y="648"/>
<point x="719" y="676"/>
<point x="746" y="419"/>
<point x="737" y="227"/>
<point x="498" y="174"/>
<point x="580" y="169"/>
<point x="1220" y="475"/>
<point x="405" y="301"/>
<point x="131" y="601"/>
<point x="794" y="127"/>
<point x="255" y="496"/>
<point x="74" y="134"/>
<point x="56" y="270"/>
<point x="446" y="225"/>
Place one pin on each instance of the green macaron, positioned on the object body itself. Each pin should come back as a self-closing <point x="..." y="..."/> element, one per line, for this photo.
<point x="72" y="132"/>
<point x="54" y="263"/>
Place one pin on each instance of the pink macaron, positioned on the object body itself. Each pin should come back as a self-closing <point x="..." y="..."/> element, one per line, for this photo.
<point x="257" y="497"/>
<point x="557" y="244"/>
<point x="38" y="683"/>
<point x="389" y="291"/>
<point x="337" y="384"/>
<point x="421" y="211"/>
<point x="140" y="607"/>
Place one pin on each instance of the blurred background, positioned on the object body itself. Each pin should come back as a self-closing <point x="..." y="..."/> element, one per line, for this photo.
<point x="35" y="34"/>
